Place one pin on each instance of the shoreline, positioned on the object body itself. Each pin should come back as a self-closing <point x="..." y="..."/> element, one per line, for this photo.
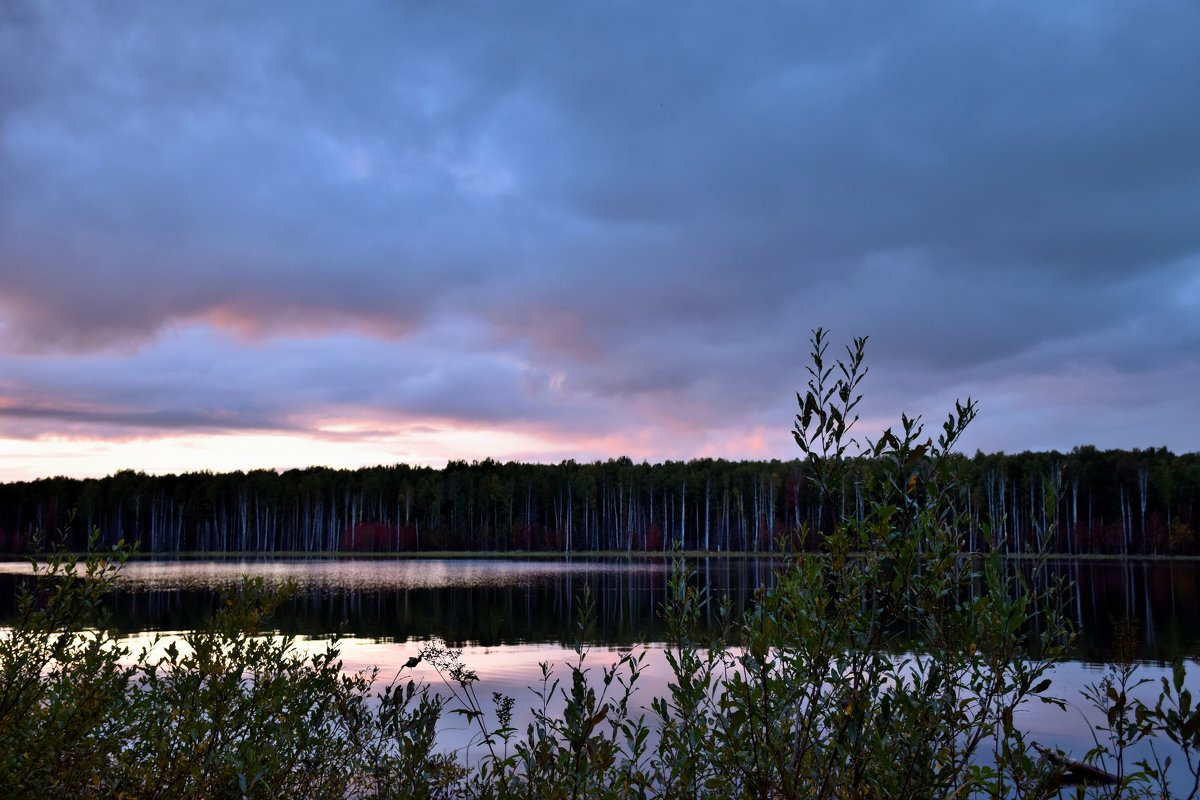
<point x="543" y="555"/>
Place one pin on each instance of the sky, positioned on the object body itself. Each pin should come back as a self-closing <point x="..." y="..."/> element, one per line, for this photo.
<point x="273" y="235"/>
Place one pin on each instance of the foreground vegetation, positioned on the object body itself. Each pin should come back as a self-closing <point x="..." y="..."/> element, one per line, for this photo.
<point x="882" y="663"/>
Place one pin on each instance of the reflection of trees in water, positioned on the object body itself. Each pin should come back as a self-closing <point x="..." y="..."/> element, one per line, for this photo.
<point x="540" y="608"/>
<point x="1162" y="599"/>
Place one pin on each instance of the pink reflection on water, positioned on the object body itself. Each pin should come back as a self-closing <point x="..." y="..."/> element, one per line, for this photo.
<point x="365" y="574"/>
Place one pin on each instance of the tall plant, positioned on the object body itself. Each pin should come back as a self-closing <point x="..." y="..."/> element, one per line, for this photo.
<point x="884" y="662"/>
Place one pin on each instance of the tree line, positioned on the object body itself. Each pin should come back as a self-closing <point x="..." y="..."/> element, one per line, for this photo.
<point x="1087" y="501"/>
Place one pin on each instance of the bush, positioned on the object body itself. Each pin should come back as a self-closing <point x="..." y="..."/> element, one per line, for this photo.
<point x="63" y="684"/>
<point x="230" y="711"/>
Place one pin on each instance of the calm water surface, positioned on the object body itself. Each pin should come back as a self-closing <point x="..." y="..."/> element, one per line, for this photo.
<point x="508" y="616"/>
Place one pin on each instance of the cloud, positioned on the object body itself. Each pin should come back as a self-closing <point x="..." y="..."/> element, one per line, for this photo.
<point x="585" y="219"/>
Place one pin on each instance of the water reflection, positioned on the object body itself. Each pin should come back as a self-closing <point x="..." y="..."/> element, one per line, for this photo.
<point x="510" y="616"/>
<point x="494" y="602"/>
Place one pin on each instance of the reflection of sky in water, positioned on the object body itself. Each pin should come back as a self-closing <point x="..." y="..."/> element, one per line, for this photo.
<point x="358" y="574"/>
<point x="515" y="670"/>
<point x="504" y="600"/>
<point x="365" y="574"/>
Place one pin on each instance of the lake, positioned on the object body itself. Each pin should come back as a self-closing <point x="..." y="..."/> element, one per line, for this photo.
<point x="510" y="615"/>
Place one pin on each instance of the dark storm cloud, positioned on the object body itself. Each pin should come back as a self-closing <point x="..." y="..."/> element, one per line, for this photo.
<point x="641" y="209"/>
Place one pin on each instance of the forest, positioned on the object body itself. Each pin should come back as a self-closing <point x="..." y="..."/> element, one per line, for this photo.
<point x="1088" y="501"/>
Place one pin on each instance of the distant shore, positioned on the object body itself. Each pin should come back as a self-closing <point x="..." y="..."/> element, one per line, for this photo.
<point x="605" y="555"/>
